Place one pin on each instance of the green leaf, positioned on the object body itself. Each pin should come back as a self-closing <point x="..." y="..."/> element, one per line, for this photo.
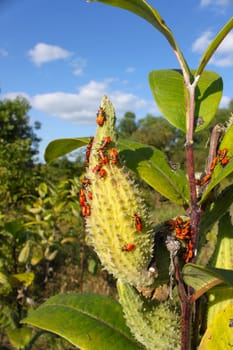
<point x="151" y="165"/>
<point x="227" y="141"/>
<point x="203" y="279"/>
<point x="20" y="337"/>
<point x="5" y="286"/>
<point x="219" y="335"/>
<point x="217" y="210"/>
<point x="168" y="90"/>
<point x="88" y="321"/>
<point x="223" y="255"/>
<point x="220" y="172"/>
<point x="214" y="45"/>
<point x="218" y="175"/>
<point x="61" y="147"/>
<point x="26" y="278"/>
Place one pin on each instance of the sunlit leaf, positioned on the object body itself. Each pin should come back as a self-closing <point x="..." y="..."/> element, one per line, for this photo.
<point x="19" y="337"/>
<point x="88" y="321"/>
<point x="220" y="172"/>
<point x="217" y="210"/>
<point x="26" y="278"/>
<point x="151" y="165"/>
<point x="61" y="147"/>
<point x="203" y="279"/>
<point x="168" y="90"/>
<point x="219" y="335"/>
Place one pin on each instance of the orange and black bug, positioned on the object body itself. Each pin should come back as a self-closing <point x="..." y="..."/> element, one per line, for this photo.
<point x="103" y="157"/>
<point x="188" y="254"/>
<point x="213" y="163"/>
<point x="138" y="222"/>
<point x="105" y="142"/>
<point x="82" y="197"/>
<point x="100" y="116"/>
<point x="222" y="153"/>
<point x="102" y="172"/>
<point x="88" y="151"/>
<point x="89" y="195"/>
<point x="113" y="156"/>
<point x="225" y="161"/>
<point x="97" y="168"/>
<point x="128" y="247"/>
<point x="86" y="210"/>
<point x="204" y="179"/>
<point x="222" y="156"/>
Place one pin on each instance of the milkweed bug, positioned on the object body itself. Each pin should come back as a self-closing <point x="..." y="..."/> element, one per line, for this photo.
<point x="97" y="168"/>
<point x="88" y="151"/>
<point x="86" y="210"/>
<point x="213" y="163"/>
<point x="89" y="195"/>
<point x="128" y="247"/>
<point x="188" y="254"/>
<point x="103" y="157"/>
<point x="222" y="153"/>
<point x="100" y="116"/>
<point x="138" y="222"/>
<point x="113" y="156"/>
<point x="82" y="197"/>
<point x="225" y="161"/>
<point x="204" y="179"/>
<point x="105" y="142"/>
<point x="103" y="172"/>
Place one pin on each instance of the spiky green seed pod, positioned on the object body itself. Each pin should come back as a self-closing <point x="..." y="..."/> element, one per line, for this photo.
<point x="117" y="226"/>
<point x="155" y="325"/>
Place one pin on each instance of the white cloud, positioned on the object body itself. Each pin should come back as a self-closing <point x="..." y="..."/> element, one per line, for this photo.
<point x="78" y="64"/>
<point x="81" y="107"/>
<point x="130" y="69"/>
<point x="225" y="100"/>
<point x="201" y="43"/>
<point x="223" y="57"/>
<point x="42" y="53"/>
<point x="216" y="2"/>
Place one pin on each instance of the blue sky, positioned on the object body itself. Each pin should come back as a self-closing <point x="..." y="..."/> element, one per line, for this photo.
<point x="63" y="56"/>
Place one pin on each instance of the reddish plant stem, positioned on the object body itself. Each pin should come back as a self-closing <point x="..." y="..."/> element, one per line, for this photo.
<point x="194" y="213"/>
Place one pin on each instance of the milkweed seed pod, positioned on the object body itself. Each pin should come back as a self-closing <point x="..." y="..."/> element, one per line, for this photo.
<point x="117" y="226"/>
<point x="156" y="325"/>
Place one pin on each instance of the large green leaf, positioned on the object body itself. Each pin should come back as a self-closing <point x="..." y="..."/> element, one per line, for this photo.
<point x="214" y="45"/>
<point x="151" y="165"/>
<point x="219" y="335"/>
<point x="203" y="279"/>
<point x="169" y="92"/>
<point x="88" y="321"/>
<point x="61" y="147"/>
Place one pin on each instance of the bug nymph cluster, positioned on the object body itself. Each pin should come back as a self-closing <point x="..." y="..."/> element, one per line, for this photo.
<point x="115" y="216"/>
